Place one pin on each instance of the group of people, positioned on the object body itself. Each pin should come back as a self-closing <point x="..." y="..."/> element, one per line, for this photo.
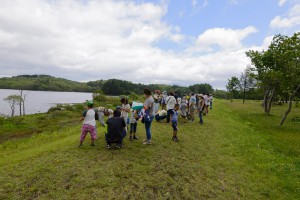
<point x="160" y="106"/>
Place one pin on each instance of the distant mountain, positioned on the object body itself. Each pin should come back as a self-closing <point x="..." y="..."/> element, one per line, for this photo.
<point x="109" y="87"/>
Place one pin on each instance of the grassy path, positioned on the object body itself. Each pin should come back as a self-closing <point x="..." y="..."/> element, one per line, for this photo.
<point x="226" y="158"/>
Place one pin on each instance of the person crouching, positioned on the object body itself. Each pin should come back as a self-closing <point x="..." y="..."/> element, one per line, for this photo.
<point x="116" y="130"/>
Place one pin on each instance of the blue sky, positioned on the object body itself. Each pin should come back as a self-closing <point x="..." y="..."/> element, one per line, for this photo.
<point x="194" y="20"/>
<point x="180" y="42"/>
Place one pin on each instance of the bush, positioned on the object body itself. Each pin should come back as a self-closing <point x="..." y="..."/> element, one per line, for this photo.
<point x="99" y="96"/>
<point x="69" y="107"/>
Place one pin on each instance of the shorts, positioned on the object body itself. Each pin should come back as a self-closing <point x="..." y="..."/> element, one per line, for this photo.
<point x="174" y="125"/>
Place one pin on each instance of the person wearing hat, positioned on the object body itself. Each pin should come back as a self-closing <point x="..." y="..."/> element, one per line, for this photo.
<point x="89" y="123"/>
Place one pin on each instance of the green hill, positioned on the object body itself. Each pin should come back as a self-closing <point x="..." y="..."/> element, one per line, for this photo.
<point x="43" y="83"/>
<point x="238" y="153"/>
<point x="109" y="87"/>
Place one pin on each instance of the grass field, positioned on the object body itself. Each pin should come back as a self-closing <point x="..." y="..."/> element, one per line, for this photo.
<point x="239" y="153"/>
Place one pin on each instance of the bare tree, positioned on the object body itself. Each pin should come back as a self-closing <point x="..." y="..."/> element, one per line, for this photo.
<point x="22" y="101"/>
<point x="13" y="100"/>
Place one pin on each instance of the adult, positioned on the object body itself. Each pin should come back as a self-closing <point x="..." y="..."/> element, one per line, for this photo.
<point x="211" y="101"/>
<point x="207" y="102"/>
<point x="201" y="106"/>
<point x="161" y="115"/>
<point x="148" y="115"/>
<point x="163" y="100"/>
<point x="192" y="106"/>
<point x="176" y="97"/>
<point x="183" y="107"/>
<point x="116" y="130"/>
<point x="156" y="100"/>
<point x="170" y="101"/>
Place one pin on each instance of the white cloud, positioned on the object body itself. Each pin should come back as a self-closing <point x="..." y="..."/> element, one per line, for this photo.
<point x="112" y="39"/>
<point x="291" y="20"/>
<point x="281" y="2"/>
<point x="221" y="39"/>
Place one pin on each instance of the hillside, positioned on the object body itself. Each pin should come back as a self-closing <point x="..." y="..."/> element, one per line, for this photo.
<point x="237" y="154"/>
<point x="109" y="87"/>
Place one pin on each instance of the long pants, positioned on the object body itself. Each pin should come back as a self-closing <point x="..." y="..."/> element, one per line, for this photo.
<point x="200" y="116"/>
<point x="148" y="128"/>
<point x="133" y="127"/>
<point x="169" y="112"/>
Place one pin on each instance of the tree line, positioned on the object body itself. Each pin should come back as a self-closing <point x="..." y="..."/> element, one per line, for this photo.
<point x="109" y="87"/>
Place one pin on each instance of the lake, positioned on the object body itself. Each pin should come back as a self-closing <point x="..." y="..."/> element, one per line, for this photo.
<point x="41" y="101"/>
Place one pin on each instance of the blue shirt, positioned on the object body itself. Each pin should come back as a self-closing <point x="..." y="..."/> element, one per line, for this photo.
<point x="174" y="116"/>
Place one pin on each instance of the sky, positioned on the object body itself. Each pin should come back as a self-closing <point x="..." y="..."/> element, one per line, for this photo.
<point x="180" y="42"/>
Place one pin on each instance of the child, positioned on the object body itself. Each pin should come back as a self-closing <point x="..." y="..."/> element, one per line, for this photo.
<point x="89" y="123"/>
<point x="125" y="109"/>
<point x="174" y="117"/>
<point x="133" y="124"/>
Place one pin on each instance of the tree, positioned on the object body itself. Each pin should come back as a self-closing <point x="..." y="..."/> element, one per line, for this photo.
<point x="232" y="86"/>
<point x="203" y="88"/>
<point x="266" y="74"/>
<point x="288" y="56"/>
<point x="13" y="100"/>
<point x="278" y="70"/>
<point x="246" y="81"/>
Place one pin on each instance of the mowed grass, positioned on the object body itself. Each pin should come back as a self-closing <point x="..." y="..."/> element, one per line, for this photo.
<point x="239" y="153"/>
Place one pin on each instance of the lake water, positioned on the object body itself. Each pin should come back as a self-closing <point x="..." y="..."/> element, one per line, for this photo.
<point x="41" y="101"/>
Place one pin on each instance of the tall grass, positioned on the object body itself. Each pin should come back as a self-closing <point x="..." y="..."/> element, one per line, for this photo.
<point x="238" y="153"/>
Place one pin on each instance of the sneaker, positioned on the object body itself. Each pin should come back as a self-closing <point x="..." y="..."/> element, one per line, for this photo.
<point x="80" y="145"/>
<point x="173" y="138"/>
<point x="118" y="146"/>
<point x="108" y="146"/>
<point x="176" y="139"/>
<point x="147" y="142"/>
<point x="92" y="145"/>
<point x="135" y="138"/>
<point x="130" y="138"/>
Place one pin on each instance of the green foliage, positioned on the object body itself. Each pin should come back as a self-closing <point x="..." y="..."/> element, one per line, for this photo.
<point x="278" y="70"/>
<point x="134" y="97"/>
<point x="99" y="96"/>
<point x="220" y="94"/>
<point x="201" y="88"/>
<point x="43" y="82"/>
<point x="232" y="86"/>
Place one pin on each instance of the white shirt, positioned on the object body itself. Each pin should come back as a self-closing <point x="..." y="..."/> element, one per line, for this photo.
<point x="206" y="100"/>
<point x="124" y="114"/>
<point x="170" y="101"/>
<point x="89" y="118"/>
